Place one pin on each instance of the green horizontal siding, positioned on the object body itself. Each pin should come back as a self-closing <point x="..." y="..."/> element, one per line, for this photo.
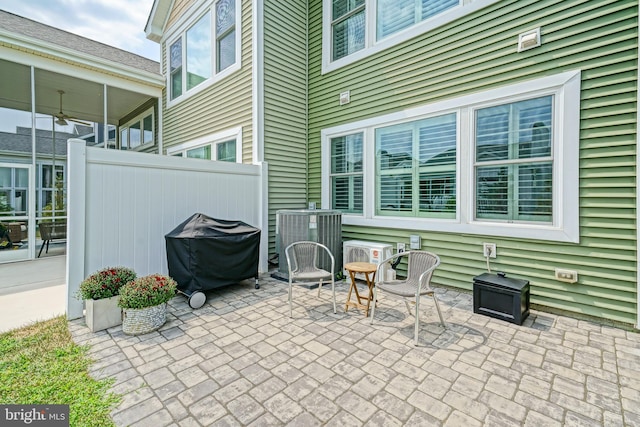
<point x="476" y="53"/>
<point x="223" y="105"/>
<point x="285" y="106"/>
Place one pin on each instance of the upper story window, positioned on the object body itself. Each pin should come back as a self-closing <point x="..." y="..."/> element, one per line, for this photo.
<point x="206" y="49"/>
<point x="502" y="162"/>
<point x="354" y="29"/>
<point x="138" y="132"/>
<point x="225" y="146"/>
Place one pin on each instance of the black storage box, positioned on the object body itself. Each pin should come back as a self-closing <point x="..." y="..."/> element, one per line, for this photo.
<point x="501" y="297"/>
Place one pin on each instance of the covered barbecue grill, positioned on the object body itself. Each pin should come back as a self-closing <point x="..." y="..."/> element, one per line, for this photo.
<point x="204" y="253"/>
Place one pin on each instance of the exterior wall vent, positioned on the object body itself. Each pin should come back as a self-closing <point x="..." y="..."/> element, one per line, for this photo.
<point x="529" y="39"/>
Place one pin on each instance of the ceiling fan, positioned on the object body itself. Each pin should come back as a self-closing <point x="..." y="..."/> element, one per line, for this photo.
<point x="62" y="118"/>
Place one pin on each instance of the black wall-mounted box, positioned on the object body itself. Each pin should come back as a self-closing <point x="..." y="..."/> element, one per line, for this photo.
<point x="501" y="297"/>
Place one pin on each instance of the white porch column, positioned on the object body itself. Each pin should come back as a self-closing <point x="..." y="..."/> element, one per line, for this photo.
<point x="76" y="218"/>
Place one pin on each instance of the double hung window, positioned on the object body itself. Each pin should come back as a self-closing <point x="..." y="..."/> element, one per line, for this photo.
<point x="416" y="168"/>
<point x="207" y="47"/>
<point x="513" y="161"/>
<point x="346" y="172"/>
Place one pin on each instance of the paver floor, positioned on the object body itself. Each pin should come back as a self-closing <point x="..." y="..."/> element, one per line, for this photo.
<point x="241" y="360"/>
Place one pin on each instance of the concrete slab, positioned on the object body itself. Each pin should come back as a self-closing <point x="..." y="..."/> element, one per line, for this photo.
<point x="31" y="291"/>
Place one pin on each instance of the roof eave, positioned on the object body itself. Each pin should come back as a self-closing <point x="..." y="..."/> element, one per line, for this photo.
<point x="154" y="28"/>
<point x="46" y="48"/>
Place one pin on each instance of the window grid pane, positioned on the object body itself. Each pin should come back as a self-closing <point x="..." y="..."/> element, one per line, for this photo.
<point x="347" y="193"/>
<point x="225" y="16"/>
<point x="226" y="151"/>
<point x="534" y="192"/>
<point x="148" y="129"/>
<point x="396" y="193"/>
<point x="203" y="152"/>
<point x="134" y="135"/>
<point x="227" y="51"/>
<point x="343" y="7"/>
<point x="175" y="68"/>
<point x="225" y="34"/>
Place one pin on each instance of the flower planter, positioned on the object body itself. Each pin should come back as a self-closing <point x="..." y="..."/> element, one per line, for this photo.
<point x="137" y="321"/>
<point x="102" y="313"/>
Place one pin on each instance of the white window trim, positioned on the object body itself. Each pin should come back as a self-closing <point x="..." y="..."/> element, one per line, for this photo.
<point x="139" y="118"/>
<point x="211" y="139"/>
<point x="566" y="135"/>
<point x="179" y="30"/>
<point x="372" y="46"/>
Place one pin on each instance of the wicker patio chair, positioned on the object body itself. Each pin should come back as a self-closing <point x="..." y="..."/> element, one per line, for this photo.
<point x="420" y="268"/>
<point x="303" y="265"/>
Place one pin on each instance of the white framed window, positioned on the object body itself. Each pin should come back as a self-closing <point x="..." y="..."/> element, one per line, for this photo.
<point x="204" y="49"/>
<point x="139" y="132"/>
<point x="346" y="172"/>
<point x="502" y="162"/>
<point x="355" y="29"/>
<point x="225" y="146"/>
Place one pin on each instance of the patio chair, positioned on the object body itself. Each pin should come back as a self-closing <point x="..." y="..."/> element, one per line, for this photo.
<point x="302" y="262"/>
<point x="420" y="268"/>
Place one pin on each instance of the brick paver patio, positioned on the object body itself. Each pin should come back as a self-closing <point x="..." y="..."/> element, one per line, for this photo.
<point x="240" y="360"/>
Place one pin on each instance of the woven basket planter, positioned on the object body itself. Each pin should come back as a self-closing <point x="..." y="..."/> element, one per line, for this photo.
<point x="138" y="321"/>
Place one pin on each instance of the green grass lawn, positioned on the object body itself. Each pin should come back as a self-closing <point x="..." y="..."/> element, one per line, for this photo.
<point x="40" y="364"/>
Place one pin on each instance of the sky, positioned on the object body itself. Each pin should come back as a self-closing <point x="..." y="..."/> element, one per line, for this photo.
<point x="118" y="23"/>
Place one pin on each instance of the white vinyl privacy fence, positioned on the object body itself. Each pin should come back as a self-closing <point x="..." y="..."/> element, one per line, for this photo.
<point x="121" y="205"/>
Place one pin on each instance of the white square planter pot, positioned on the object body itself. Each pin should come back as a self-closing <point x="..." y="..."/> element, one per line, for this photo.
<point x="103" y="313"/>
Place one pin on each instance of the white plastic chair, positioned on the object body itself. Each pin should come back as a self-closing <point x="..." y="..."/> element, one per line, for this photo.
<point x="419" y="271"/>
<point x="303" y="264"/>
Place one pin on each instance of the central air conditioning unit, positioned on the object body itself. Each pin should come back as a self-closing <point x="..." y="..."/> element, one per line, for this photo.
<point x="372" y="252"/>
<point x="317" y="225"/>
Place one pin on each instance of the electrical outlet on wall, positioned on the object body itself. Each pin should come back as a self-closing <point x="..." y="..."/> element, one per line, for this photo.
<point x="489" y="250"/>
<point x="564" y="275"/>
<point x="400" y="247"/>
